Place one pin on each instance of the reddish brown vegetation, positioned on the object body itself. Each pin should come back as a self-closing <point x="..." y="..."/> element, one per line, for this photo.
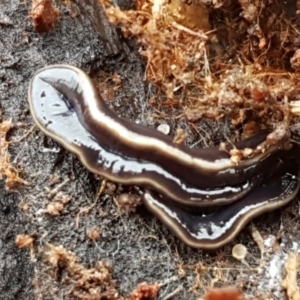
<point x="44" y="15"/>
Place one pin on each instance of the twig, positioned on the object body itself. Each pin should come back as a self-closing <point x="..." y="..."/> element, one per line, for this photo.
<point x="175" y="292"/>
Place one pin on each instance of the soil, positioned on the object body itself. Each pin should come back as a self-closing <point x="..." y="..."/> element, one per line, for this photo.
<point x="136" y="246"/>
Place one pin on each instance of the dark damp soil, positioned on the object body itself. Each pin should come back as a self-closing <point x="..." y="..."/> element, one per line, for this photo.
<point x="136" y="245"/>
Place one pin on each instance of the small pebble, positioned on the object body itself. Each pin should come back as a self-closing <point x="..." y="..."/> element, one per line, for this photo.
<point x="164" y="128"/>
<point x="239" y="252"/>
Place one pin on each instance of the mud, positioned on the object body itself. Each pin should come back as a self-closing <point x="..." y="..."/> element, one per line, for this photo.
<point x="136" y="245"/>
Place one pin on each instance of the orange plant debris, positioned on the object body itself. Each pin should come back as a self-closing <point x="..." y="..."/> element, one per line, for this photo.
<point x="44" y="15"/>
<point x="145" y="291"/>
<point x="229" y="293"/>
<point x="92" y="283"/>
<point x="184" y="61"/>
<point x="6" y="170"/>
<point x="95" y="282"/>
<point x="23" y="241"/>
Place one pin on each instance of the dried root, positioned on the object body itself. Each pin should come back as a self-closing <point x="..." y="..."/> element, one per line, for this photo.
<point x="182" y="61"/>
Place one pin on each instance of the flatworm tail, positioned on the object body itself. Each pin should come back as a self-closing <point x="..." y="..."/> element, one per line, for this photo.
<point x="217" y="229"/>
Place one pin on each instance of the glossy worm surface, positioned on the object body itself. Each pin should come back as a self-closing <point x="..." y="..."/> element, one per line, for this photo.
<point x="67" y="107"/>
<point x="220" y="227"/>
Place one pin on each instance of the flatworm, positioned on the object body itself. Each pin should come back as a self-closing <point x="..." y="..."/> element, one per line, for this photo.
<point x="176" y="180"/>
<point x="67" y="107"/>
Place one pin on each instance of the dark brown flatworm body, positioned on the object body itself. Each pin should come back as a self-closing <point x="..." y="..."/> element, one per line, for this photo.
<point x="177" y="181"/>
<point x="215" y="229"/>
<point x="67" y="107"/>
